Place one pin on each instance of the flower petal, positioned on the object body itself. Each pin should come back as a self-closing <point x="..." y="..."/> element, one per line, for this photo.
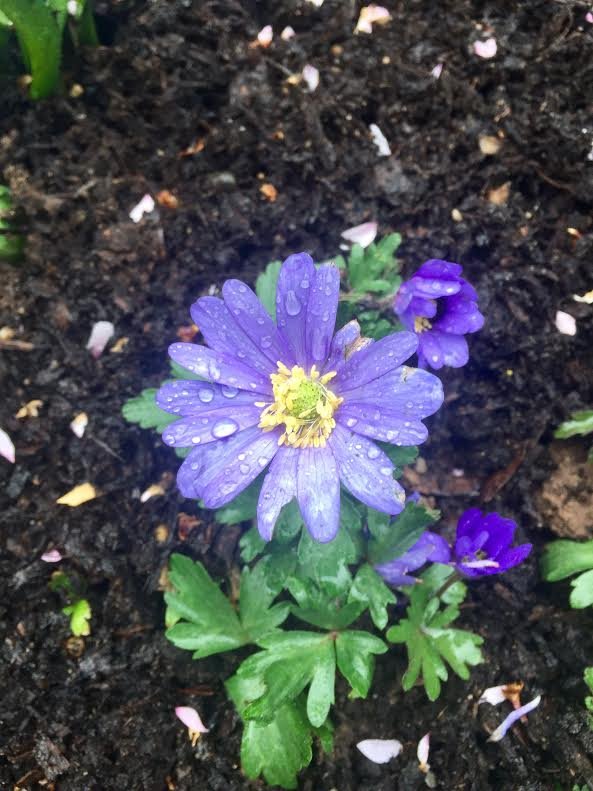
<point x="191" y="719"/>
<point x="444" y="348"/>
<point x="380" y="751"/>
<point x="256" y="322"/>
<point x="375" y="360"/>
<point x="363" y="234"/>
<point x="210" y="426"/>
<point x="295" y="280"/>
<point x="500" y="732"/>
<point x="493" y="695"/>
<point x="219" y="368"/>
<point x="344" y="342"/>
<point x="51" y="556"/>
<point x="381" y="425"/>
<point x="278" y="489"/>
<point x="468" y="522"/>
<point x="437" y="268"/>
<point x="100" y="336"/>
<point x="422" y="752"/>
<point x="460" y="316"/>
<point x="500" y="534"/>
<point x="222" y="333"/>
<point x="190" y="398"/>
<point x="512" y="557"/>
<point x="366" y="471"/>
<point x="321" y="313"/>
<point x="318" y="492"/>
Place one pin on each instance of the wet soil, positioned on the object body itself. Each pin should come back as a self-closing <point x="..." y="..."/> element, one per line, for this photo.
<point x="181" y="75"/>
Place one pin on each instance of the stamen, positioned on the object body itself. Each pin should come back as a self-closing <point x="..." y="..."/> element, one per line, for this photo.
<point x="421" y="323"/>
<point x="303" y="404"/>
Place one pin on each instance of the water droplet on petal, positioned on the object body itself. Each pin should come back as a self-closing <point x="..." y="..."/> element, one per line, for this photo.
<point x="351" y="422"/>
<point x="385" y="470"/>
<point x="292" y="304"/>
<point x="305" y="283"/>
<point x="224" y="428"/>
<point x="196" y="440"/>
<point x="244" y="468"/>
<point x="265" y="342"/>
<point x="373" y="452"/>
<point x="205" y="394"/>
<point x="261" y="320"/>
<point x="229" y="392"/>
<point x="262" y="461"/>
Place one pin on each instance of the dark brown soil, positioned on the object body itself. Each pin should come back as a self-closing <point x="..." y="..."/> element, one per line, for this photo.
<point x="180" y="72"/>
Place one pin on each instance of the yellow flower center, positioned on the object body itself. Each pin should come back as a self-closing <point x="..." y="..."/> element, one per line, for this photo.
<point x="303" y="404"/>
<point x="421" y="323"/>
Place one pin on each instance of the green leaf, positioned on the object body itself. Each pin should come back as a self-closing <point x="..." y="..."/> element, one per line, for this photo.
<point x="142" y="409"/>
<point x="207" y="623"/>
<point x="80" y="615"/>
<point x="61" y="581"/>
<point x="251" y="544"/>
<point x="582" y="593"/>
<point x="325" y="604"/>
<point x="265" y="287"/>
<point x="290" y="662"/>
<point x="434" y="578"/>
<point x="432" y="644"/>
<point x="373" y="325"/>
<point x="579" y="423"/>
<point x="392" y="537"/>
<point x="278" y="749"/>
<point x="369" y="588"/>
<point x="588" y="676"/>
<point x="355" y="652"/>
<point x="563" y="558"/>
<point x="374" y="269"/>
<point x="320" y="561"/>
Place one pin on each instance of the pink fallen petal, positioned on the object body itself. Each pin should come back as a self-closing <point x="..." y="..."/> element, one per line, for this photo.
<point x="191" y="719"/>
<point x="565" y="323"/>
<point x="101" y="334"/>
<point x="287" y="33"/>
<point x="589" y="17"/>
<point x="500" y="732"/>
<point x="370" y="15"/>
<point x="486" y="49"/>
<point x="144" y="206"/>
<point x="311" y="77"/>
<point x="265" y="36"/>
<point x="422" y="752"/>
<point x="437" y="71"/>
<point x="317" y="3"/>
<point x="363" y="234"/>
<point x="380" y="751"/>
<point x="6" y="446"/>
<point x="51" y="556"/>
<point x="493" y="695"/>
<point x="380" y="141"/>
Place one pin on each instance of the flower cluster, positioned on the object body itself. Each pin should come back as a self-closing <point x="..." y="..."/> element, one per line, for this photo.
<point x="441" y="308"/>
<point x="482" y="547"/>
<point x="294" y="397"/>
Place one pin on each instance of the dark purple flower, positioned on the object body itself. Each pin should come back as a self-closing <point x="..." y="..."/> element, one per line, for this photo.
<point x="440" y="307"/>
<point x="297" y="397"/>
<point x="483" y="544"/>
<point x="429" y="547"/>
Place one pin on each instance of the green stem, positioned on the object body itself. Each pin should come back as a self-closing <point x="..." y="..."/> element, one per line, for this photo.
<point x="40" y="39"/>
<point x="449" y="582"/>
<point x="87" y="32"/>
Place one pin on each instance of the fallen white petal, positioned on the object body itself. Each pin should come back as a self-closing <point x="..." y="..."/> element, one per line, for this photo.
<point x="486" y="49"/>
<point x="191" y="719"/>
<point x="380" y="141"/>
<point x="565" y="323"/>
<point x="79" y="424"/>
<point x="586" y="298"/>
<point x="155" y="490"/>
<point x="493" y="695"/>
<point x="101" y="334"/>
<point x="500" y="732"/>
<point x="422" y="752"/>
<point x="380" y="751"/>
<point x="437" y="71"/>
<point x="369" y="15"/>
<point x="287" y="33"/>
<point x="264" y="37"/>
<point x="589" y="17"/>
<point x="72" y="7"/>
<point x="363" y="234"/>
<point x="6" y="446"/>
<point x="311" y="77"/>
<point x="145" y="206"/>
<point x="52" y="556"/>
<point x="317" y="3"/>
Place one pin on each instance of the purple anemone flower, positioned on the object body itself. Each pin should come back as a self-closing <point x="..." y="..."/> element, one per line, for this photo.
<point x="441" y="308"/>
<point x="483" y="544"/>
<point x="429" y="547"/>
<point x="296" y="397"/>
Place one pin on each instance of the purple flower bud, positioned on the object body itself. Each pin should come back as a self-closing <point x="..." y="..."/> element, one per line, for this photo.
<point x="441" y="308"/>
<point x="483" y="544"/>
